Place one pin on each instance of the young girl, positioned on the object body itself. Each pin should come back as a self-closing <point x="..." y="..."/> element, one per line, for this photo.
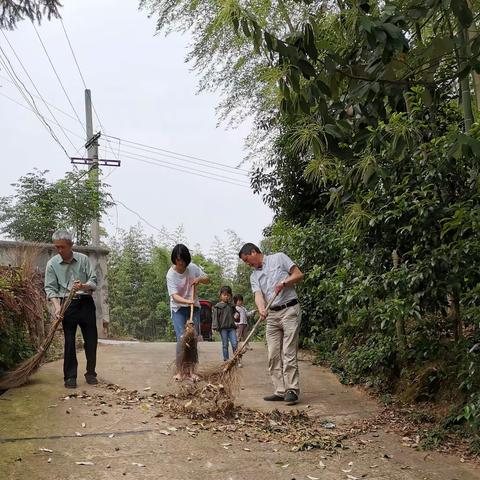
<point x="242" y="311"/>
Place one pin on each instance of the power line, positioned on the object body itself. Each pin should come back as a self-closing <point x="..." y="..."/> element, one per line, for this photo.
<point x="163" y="230"/>
<point x="137" y="214"/>
<point x="73" y="54"/>
<point x="157" y="160"/>
<point x="24" y="92"/>
<point x="216" y="169"/>
<point x="56" y="74"/>
<point x="245" y="172"/>
<point x="159" y="163"/>
<point x="48" y="103"/>
<point x="85" y="83"/>
<point x="46" y="118"/>
<point x="36" y="89"/>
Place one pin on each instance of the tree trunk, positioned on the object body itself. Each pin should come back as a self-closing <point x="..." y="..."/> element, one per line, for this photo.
<point x="400" y="321"/>
<point x="472" y="32"/>
<point x="454" y="315"/>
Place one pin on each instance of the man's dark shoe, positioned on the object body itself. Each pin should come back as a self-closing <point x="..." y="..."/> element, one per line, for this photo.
<point x="273" y="398"/>
<point x="70" y="383"/>
<point x="291" y="398"/>
<point x="91" y="379"/>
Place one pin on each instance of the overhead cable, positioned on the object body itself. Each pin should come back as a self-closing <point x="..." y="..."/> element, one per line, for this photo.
<point x="189" y="162"/>
<point x="180" y="154"/>
<point x="48" y="103"/>
<point x="159" y="163"/>
<point x="85" y="84"/>
<point x="36" y="89"/>
<point x="58" y="77"/>
<point x="4" y="60"/>
<point x="137" y="214"/>
<point x="46" y="118"/>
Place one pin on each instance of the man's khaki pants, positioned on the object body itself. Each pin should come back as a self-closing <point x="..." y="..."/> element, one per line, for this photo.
<point x="283" y="328"/>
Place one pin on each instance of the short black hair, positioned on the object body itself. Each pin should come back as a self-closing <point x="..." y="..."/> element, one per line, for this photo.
<point x="182" y="252"/>
<point x="247" y="249"/>
<point x="226" y="289"/>
<point x="237" y="297"/>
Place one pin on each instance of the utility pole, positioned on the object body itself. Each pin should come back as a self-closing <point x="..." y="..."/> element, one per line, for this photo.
<point x="93" y="163"/>
<point x="92" y="153"/>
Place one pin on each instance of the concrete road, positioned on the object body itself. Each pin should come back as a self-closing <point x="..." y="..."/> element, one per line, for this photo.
<point x="48" y="433"/>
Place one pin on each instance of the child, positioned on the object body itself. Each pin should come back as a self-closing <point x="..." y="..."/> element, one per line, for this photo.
<point x="223" y="320"/>
<point x="242" y="311"/>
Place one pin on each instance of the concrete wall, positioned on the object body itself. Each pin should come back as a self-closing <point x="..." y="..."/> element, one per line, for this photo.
<point x="9" y="255"/>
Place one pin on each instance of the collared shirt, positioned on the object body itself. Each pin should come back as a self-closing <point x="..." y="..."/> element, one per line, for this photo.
<point x="275" y="269"/>
<point x="60" y="275"/>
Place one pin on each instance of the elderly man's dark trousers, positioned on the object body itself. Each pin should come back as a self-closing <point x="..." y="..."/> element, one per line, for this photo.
<point x="80" y="313"/>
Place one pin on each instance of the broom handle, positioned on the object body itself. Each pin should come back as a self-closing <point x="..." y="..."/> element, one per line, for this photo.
<point x="66" y="303"/>
<point x="259" y="321"/>
<point x="192" y="306"/>
<point x="58" y="320"/>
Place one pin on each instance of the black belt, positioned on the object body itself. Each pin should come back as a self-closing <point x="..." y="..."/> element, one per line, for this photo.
<point x="291" y="303"/>
<point x="80" y="297"/>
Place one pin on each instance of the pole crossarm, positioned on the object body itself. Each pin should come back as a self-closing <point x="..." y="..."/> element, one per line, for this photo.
<point x="90" y="161"/>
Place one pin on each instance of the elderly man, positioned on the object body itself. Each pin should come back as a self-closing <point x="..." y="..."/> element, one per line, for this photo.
<point x="277" y="274"/>
<point x="68" y="271"/>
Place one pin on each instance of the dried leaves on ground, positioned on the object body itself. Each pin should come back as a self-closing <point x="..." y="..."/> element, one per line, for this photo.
<point x="207" y="407"/>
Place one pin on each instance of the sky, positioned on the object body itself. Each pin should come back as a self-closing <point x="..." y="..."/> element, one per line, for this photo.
<point x="143" y="92"/>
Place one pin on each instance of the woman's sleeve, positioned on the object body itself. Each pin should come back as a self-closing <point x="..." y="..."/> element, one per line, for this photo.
<point x="197" y="271"/>
<point x="172" y="287"/>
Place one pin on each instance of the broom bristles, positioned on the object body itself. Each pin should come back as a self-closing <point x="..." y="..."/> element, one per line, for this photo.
<point x="188" y="358"/>
<point x="22" y="373"/>
<point x="226" y="375"/>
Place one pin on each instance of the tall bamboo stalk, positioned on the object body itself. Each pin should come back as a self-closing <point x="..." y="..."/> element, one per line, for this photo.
<point x="466" y="94"/>
<point x="472" y="32"/>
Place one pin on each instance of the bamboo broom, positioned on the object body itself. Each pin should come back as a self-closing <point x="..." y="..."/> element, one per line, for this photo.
<point x="27" y="368"/>
<point x="188" y="359"/>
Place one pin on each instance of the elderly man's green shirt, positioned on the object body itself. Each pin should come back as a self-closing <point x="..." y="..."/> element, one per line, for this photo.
<point x="60" y="275"/>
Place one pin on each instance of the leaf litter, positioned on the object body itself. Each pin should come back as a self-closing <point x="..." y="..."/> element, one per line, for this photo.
<point x="211" y="408"/>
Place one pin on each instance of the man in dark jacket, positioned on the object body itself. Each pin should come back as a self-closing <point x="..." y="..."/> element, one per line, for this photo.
<point x="223" y="320"/>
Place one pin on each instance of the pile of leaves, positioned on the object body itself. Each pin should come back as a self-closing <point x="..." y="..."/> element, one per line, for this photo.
<point x="211" y="409"/>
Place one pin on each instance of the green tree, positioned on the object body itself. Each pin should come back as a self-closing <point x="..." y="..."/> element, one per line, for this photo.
<point x="363" y="111"/>
<point x="39" y="207"/>
<point x="137" y="287"/>
<point x="138" y="296"/>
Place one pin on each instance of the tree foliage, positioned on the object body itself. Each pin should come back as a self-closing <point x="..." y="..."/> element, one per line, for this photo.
<point x="138" y="297"/>
<point x="13" y="11"/>
<point x="368" y="155"/>
<point x="39" y="207"/>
